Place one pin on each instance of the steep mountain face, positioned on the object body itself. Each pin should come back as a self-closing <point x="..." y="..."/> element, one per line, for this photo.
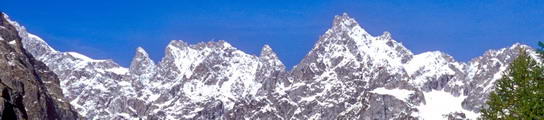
<point x="335" y="79"/>
<point x="482" y="72"/>
<point x="29" y="89"/>
<point x="90" y="86"/>
<point x="349" y="74"/>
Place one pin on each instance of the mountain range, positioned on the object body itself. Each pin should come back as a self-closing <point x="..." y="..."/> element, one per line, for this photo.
<point x="348" y="74"/>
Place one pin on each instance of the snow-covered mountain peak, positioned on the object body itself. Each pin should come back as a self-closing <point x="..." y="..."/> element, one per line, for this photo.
<point x="424" y="59"/>
<point x="140" y="50"/>
<point x="519" y="45"/>
<point x="177" y="44"/>
<point x="141" y="53"/>
<point x="219" y="44"/>
<point x="429" y="66"/>
<point x="496" y="61"/>
<point x="345" y="22"/>
<point x="432" y="57"/>
<point x="266" y="50"/>
<point x="268" y="53"/>
<point x="354" y="39"/>
<point x="30" y="40"/>
<point x="270" y="57"/>
<point x="483" y="71"/>
<point x="185" y="57"/>
<point x="141" y="63"/>
<point x="347" y="43"/>
<point x="386" y="35"/>
<point x="503" y="53"/>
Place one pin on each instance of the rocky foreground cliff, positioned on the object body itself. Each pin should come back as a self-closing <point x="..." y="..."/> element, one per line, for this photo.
<point x="349" y="74"/>
<point x="29" y="89"/>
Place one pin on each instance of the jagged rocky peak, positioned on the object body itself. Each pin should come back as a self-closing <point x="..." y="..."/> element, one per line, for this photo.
<point x="345" y="22"/>
<point x="504" y="54"/>
<point x="267" y="51"/>
<point x="174" y="50"/>
<point x="270" y="57"/>
<point x="141" y="63"/>
<point x="344" y="30"/>
<point x="484" y="71"/>
<point x="386" y="35"/>
<point x="221" y="44"/>
<point x="177" y="43"/>
<point x="515" y="48"/>
<point x="176" y="46"/>
<point x="173" y="46"/>
<point x="347" y="39"/>
<point x="39" y="47"/>
<point x="181" y="53"/>
<point x="493" y="62"/>
<point x="519" y="45"/>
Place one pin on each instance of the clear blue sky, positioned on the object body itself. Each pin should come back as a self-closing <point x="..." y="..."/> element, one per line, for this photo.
<point x="112" y="29"/>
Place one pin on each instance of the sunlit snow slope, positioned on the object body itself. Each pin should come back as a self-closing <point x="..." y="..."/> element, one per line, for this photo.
<point x="349" y="74"/>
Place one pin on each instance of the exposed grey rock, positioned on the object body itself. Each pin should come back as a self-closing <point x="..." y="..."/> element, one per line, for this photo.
<point x="29" y="89"/>
<point x="89" y="85"/>
<point x="141" y="63"/>
<point x="485" y="70"/>
<point x="348" y="74"/>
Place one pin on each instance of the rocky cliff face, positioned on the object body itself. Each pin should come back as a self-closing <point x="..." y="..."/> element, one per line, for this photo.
<point x="29" y="89"/>
<point x="349" y="74"/>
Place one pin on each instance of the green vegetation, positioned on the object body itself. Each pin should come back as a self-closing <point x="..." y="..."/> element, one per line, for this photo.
<point x="519" y="94"/>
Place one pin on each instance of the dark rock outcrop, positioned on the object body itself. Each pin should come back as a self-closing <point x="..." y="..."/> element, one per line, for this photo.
<point x="29" y="89"/>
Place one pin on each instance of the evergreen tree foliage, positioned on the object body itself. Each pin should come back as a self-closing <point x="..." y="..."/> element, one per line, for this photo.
<point x="519" y="94"/>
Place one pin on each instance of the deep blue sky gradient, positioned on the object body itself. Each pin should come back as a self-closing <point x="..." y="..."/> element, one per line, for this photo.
<point x="107" y="29"/>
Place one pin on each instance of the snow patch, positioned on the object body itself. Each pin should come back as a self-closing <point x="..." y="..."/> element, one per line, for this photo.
<point x="13" y="42"/>
<point x="441" y="103"/>
<point x="118" y="70"/>
<point x="124" y="83"/>
<point x="401" y="94"/>
<point x="80" y="56"/>
<point x="425" y="66"/>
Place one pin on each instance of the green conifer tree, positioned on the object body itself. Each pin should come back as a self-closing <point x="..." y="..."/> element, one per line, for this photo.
<point x="519" y="94"/>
